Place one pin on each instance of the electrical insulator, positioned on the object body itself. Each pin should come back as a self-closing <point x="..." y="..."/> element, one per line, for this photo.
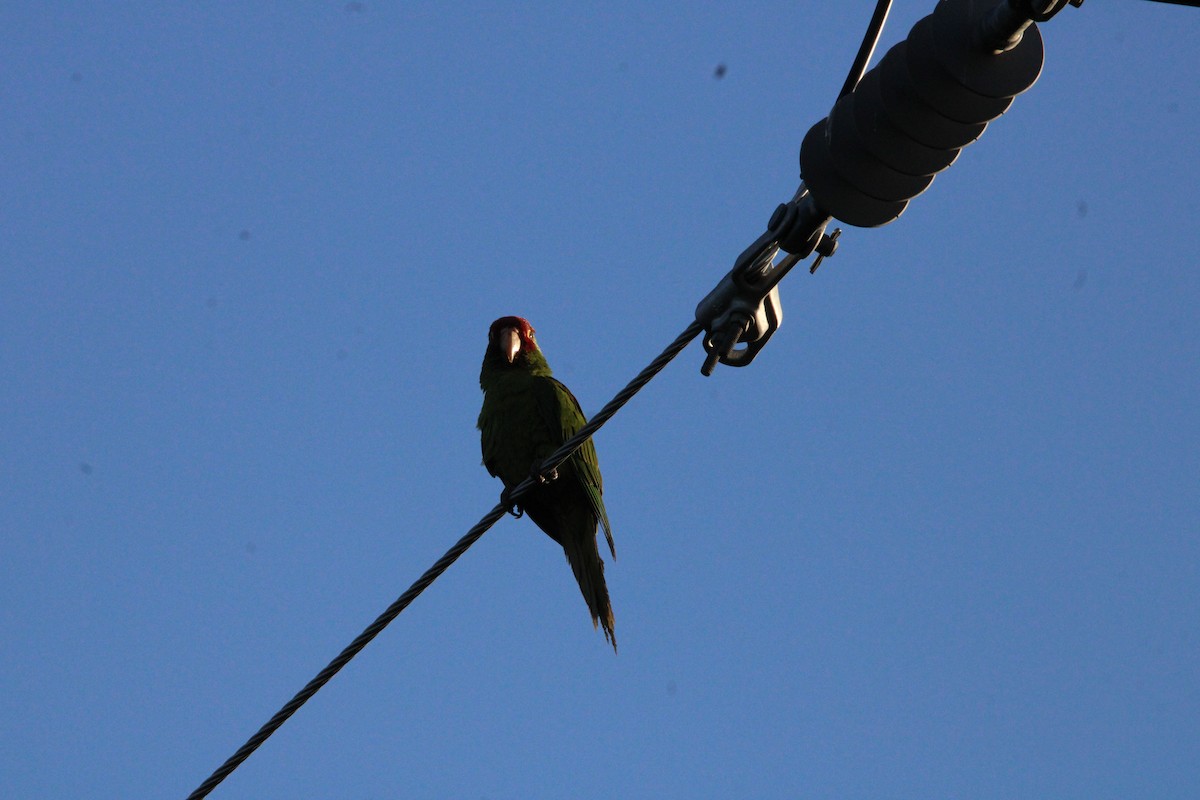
<point x="909" y="117"/>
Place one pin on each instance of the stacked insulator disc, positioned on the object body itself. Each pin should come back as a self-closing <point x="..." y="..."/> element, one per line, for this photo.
<point x="910" y="116"/>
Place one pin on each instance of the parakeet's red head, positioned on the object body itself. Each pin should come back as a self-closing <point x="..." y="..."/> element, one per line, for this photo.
<point x="511" y="339"/>
<point x="511" y="351"/>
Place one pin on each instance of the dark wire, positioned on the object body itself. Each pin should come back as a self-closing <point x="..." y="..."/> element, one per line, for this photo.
<point x="350" y="652"/>
<point x="443" y="563"/>
<point x="857" y="70"/>
<point x="867" y="48"/>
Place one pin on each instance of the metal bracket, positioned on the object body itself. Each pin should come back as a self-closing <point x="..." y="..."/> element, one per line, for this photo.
<point x="744" y="308"/>
<point x="743" y="321"/>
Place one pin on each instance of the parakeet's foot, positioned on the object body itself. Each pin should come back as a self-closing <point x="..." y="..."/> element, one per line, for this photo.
<point x="543" y="477"/>
<point x="510" y="505"/>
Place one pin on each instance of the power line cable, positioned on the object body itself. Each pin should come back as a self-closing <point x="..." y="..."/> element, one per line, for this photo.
<point x="442" y="564"/>
<point x="870" y="40"/>
<point x="732" y="310"/>
<point x="509" y="498"/>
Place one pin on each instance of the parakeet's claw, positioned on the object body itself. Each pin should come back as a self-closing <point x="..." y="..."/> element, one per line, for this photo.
<point x="543" y="477"/>
<point x="510" y="505"/>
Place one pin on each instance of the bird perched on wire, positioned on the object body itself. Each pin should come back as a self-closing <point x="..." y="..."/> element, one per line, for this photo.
<point x="526" y="416"/>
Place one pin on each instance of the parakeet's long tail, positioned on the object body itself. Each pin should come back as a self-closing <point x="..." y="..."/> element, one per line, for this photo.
<point x="584" y="558"/>
<point x="571" y="521"/>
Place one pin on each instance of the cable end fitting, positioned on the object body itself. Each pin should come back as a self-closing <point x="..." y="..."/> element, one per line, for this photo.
<point x="736" y="313"/>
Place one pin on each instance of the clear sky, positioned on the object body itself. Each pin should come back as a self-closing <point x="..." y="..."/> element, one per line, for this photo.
<point x="941" y="540"/>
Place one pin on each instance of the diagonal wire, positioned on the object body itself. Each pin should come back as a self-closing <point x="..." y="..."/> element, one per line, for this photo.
<point x="442" y="564"/>
<point x="870" y="40"/>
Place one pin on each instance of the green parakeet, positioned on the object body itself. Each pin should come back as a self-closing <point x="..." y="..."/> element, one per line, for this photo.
<point x="526" y="416"/>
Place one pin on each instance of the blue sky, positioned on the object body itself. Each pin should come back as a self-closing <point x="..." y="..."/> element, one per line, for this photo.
<point x="940" y="540"/>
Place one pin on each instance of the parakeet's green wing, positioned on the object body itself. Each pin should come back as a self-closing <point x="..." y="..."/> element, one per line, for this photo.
<point x="514" y="431"/>
<point x="563" y="416"/>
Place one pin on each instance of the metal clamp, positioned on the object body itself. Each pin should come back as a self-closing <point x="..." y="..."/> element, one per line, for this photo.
<point x="744" y="308"/>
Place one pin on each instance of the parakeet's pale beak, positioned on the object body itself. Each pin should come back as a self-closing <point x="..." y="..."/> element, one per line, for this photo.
<point x="510" y="343"/>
